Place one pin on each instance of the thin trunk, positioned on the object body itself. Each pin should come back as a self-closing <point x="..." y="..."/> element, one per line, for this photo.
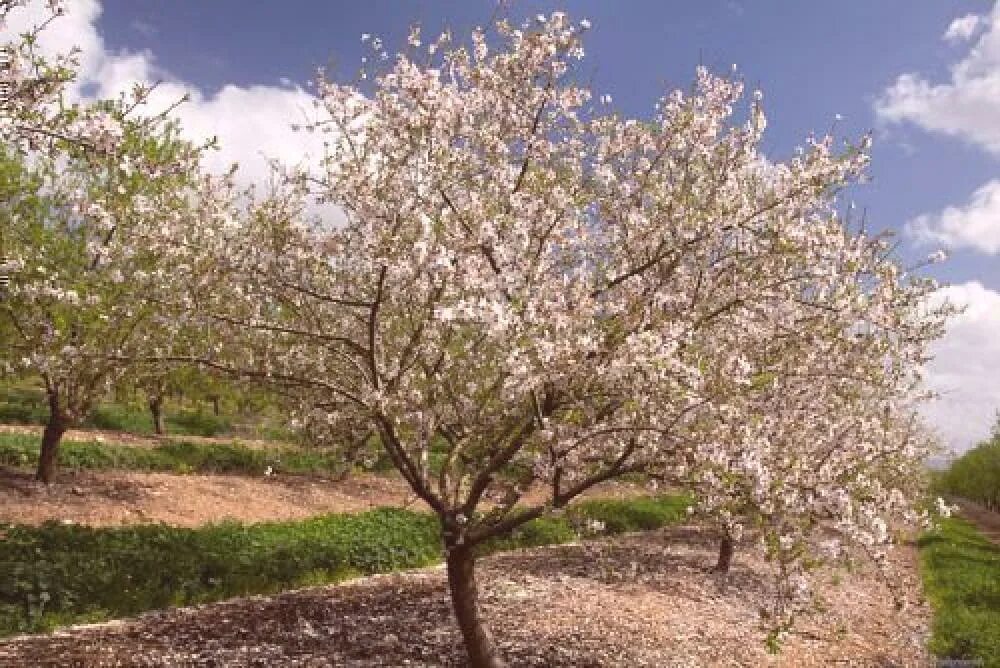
<point x="48" y="457"/>
<point x="725" y="554"/>
<point x="156" y="410"/>
<point x="215" y="406"/>
<point x="465" y="602"/>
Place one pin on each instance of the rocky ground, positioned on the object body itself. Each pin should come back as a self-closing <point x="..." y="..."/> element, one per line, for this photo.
<point x="640" y="600"/>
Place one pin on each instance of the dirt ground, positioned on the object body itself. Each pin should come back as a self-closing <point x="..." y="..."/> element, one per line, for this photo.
<point x="641" y="600"/>
<point x="125" y="438"/>
<point x="114" y="498"/>
<point x="110" y="498"/>
<point x="987" y="521"/>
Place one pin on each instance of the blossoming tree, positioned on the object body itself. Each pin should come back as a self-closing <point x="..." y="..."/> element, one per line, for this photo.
<point x="35" y="115"/>
<point x="830" y="411"/>
<point x="86" y="273"/>
<point x="89" y="190"/>
<point x="528" y="290"/>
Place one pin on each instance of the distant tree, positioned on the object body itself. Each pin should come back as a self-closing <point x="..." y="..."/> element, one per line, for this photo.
<point x="975" y="475"/>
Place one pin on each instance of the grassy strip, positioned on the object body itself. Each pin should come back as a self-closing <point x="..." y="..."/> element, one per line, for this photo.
<point x="56" y="574"/>
<point x="21" y="450"/>
<point x="28" y="405"/>
<point x="961" y="574"/>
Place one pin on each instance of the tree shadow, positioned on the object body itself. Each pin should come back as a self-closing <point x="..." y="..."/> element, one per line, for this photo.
<point x="651" y="560"/>
<point x="71" y="485"/>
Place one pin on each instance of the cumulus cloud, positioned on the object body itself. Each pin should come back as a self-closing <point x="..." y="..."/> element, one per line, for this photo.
<point x="253" y="124"/>
<point x="967" y="105"/>
<point x="974" y="225"/>
<point x="964" y="368"/>
<point x="962" y="29"/>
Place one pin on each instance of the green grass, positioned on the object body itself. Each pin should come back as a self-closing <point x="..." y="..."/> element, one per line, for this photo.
<point x="55" y="575"/>
<point x="25" y="404"/>
<point x="22" y="405"/>
<point x="961" y="574"/>
<point x="21" y="450"/>
<point x="135" y="419"/>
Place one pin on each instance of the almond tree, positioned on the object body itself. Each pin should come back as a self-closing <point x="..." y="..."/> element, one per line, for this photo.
<point x="35" y="116"/>
<point x="528" y="287"/>
<point x="829" y="450"/>
<point x="86" y="273"/>
<point x="80" y="243"/>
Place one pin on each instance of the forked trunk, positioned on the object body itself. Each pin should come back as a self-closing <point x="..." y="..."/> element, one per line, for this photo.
<point x="48" y="457"/>
<point x="725" y="554"/>
<point x="156" y="410"/>
<point x="465" y="601"/>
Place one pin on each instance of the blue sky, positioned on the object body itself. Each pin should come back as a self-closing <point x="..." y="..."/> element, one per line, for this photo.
<point x="813" y="60"/>
<point x="924" y="75"/>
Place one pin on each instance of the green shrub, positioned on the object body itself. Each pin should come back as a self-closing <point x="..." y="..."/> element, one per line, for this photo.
<point x="619" y="516"/>
<point x="961" y="575"/>
<point x="56" y="574"/>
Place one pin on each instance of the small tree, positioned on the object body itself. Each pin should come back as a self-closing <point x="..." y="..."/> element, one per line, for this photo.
<point x="86" y="271"/>
<point x="829" y="451"/>
<point x="91" y="197"/>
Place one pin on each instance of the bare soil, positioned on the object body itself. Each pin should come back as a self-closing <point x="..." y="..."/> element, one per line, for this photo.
<point x="110" y="498"/>
<point x="125" y="438"/>
<point x="986" y="520"/>
<point x="114" y="498"/>
<point x="640" y="600"/>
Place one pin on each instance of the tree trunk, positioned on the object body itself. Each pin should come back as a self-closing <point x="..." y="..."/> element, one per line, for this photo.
<point x="48" y="458"/>
<point x="215" y="406"/>
<point x="465" y="602"/>
<point x="156" y="410"/>
<point x="725" y="554"/>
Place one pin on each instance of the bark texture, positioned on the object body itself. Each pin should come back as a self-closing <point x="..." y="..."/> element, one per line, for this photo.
<point x="156" y="410"/>
<point x="48" y="457"/>
<point x="465" y="602"/>
<point x="725" y="561"/>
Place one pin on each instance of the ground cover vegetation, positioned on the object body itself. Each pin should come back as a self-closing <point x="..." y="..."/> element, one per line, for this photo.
<point x="58" y="574"/>
<point x="961" y="574"/>
<point x="179" y="456"/>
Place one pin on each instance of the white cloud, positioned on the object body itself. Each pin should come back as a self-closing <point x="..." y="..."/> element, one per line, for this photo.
<point x="143" y="28"/>
<point x="252" y="123"/>
<point x="962" y="29"/>
<point x="968" y="104"/>
<point x="975" y="224"/>
<point x="964" y="368"/>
